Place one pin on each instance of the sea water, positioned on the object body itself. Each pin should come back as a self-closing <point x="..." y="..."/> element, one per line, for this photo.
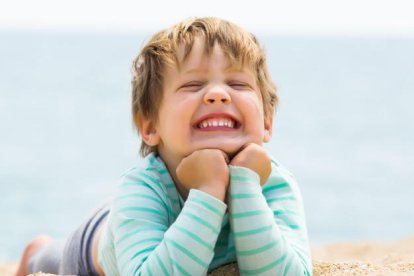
<point x="344" y="128"/>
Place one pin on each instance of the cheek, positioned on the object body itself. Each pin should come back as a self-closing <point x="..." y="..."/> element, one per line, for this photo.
<point x="254" y="115"/>
<point x="253" y="107"/>
<point x="176" y="116"/>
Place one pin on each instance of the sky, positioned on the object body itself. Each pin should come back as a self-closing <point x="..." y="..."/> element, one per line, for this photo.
<point x="347" y="17"/>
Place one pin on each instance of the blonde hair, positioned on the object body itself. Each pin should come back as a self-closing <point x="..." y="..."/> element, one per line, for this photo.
<point x="240" y="47"/>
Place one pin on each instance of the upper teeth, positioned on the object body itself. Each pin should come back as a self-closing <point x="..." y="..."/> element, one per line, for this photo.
<point x="216" y="122"/>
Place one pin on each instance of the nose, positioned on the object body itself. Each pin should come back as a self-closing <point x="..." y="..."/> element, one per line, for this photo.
<point x="217" y="94"/>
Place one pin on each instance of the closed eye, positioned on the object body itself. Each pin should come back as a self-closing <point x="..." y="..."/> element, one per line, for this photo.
<point x="191" y="86"/>
<point x="240" y="85"/>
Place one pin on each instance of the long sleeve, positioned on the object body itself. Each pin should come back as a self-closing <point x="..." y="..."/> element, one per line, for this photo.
<point x="147" y="242"/>
<point x="268" y="223"/>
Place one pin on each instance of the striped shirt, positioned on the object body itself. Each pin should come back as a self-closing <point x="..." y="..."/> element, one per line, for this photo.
<point x="152" y="231"/>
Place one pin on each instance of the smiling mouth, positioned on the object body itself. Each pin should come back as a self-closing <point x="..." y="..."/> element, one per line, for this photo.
<point x="218" y="124"/>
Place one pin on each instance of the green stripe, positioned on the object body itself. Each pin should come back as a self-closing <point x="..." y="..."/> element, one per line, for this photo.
<point x="141" y="184"/>
<point x="293" y="226"/>
<point x="240" y="196"/>
<point x="287" y="267"/>
<point x="195" y="237"/>
<point x="138" y="231"/>
<point x="257" y="250"/>
<point x="201" y="221"/>
<point x="149" y="270"/>
<point x="151" y="169"/>
<point x="275" y="187"/>
<point x="130" y="220"/>
<point x="207" y="206"/>
<point x="148" y="249"/>
<point x="161" y="204"/>
<point x="131" y="183"/>
<point x="143" y="209"/>
<point x="181" y="269"/>
<point x="175" y="201"/>
<point x="238" y="178"/>
<point x="138" y="268"/>
<point x="140" y="196"/>
<point x="252" y="232"/>
<point x="283" y="212"/>
<point x="170" y="186"/>
<point x="124" y="223"/>
<point x="248" y="214"/>
<point x="152" y="159"/>
<point x="188" y="253"/>
<point x="281" y="198"/>
<point x="164" y="269"/>
<point x="137" y="243"/>
<point x="152" y="198"/>
<point x="153" y="180"/>
<point x="263" y="269"/>
<point x="163" y="171"/>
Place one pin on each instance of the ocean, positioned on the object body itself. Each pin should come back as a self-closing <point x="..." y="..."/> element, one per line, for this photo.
<point x="344" y="128"/>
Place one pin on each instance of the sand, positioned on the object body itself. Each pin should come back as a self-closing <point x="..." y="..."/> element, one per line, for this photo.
<point x="363" y="258"/>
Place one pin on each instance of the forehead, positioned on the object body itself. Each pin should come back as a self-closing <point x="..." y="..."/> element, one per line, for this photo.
<point x="199" y="54"/>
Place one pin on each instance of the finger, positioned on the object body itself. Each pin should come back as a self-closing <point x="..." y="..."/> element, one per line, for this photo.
<point x="242" y="148"/>
<point x="226" y="157"/>
<point x="246" y="146"/>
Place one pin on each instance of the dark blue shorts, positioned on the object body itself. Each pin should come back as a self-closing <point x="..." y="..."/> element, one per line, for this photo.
<point x="73" y="257"/>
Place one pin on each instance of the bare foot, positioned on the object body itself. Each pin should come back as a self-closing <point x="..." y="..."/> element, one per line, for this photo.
<point x="33" y="246"/>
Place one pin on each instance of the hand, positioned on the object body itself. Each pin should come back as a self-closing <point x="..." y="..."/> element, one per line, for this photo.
<point x="205" y="170"/>
<point x="254" y="157"/>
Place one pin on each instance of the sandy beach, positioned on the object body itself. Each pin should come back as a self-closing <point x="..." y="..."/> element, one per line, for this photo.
<point x="365" y="258"/>
<point x="362" y="258"/>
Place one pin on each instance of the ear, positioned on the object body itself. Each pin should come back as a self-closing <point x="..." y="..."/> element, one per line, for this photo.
<point x="268" y="126"/>
<point x="148" y="131"/>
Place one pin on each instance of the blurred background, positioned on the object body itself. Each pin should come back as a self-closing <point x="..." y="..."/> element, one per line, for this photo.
<point x="344" y="127"/>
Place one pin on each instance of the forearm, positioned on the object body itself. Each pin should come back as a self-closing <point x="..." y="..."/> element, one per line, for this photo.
<point x="186" y="248"/>
<point x="263" y="245"/>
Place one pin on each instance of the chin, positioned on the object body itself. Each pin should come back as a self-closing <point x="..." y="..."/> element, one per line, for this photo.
<point x="231" y="150"/>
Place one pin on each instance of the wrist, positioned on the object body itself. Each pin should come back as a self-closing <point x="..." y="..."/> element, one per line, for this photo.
<point x="251" y="175"/>
<point x="217" y="191"/>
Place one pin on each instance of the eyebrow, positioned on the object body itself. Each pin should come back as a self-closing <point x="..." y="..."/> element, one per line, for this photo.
<point x="229" y="69"/>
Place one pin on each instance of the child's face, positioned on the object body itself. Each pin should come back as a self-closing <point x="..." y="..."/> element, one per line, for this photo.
<point x="208" y="104"/>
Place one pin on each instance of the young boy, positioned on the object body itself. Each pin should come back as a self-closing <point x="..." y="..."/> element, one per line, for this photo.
<point x="208" y="194"/>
